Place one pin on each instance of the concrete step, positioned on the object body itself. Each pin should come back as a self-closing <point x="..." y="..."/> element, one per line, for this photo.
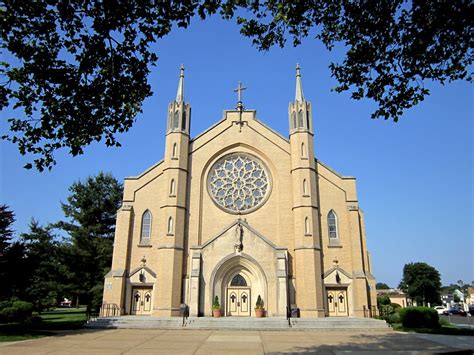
<point x="224" y="323"/>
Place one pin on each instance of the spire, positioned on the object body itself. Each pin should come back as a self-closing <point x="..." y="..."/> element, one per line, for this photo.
<point x="299" y="87"/>
<point x="180" y="92"/>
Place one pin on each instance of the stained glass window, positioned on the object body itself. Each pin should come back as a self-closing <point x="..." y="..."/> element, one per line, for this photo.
<point x="332" y="224"/>
<point x="238" y="280"/>
<point x="238" y="182"/>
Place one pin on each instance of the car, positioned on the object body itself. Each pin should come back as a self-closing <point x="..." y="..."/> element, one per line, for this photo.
<point x="453" y="311"/>
<point x="441" y="310"/>
<point x="462" y="312"/>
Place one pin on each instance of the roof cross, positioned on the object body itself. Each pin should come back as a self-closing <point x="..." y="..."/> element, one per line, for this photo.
<point x="239" y="90"/>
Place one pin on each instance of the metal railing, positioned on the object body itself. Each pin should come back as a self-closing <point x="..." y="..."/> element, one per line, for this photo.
<point x="109" y="310"/>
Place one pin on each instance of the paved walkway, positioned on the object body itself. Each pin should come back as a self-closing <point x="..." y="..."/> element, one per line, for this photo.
<point x="135" y="341"/>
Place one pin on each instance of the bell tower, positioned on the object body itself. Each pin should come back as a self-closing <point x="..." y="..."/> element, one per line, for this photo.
<point x="307" y="263"/>
<point x="172" y="223"/>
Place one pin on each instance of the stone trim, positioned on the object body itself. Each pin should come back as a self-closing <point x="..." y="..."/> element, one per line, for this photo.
<point x="301" y="206"/>
<point x="144" y="245"/>
<point x="169" y="247"/>
<point x="337" y="268"/>
<point x="146" y="268"/>
<point x="304" y="167"/>
<point x="307" y="248"/>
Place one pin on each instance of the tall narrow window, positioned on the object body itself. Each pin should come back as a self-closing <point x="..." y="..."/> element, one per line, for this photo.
<point x="305" y="187"/>
<point x="176" y="120"/>
<point x="332" y="225"/>
<point x="170" y="226"/>
<point x="175" y="150"/>
<point x="172" y="188"/>
<point x="293" y="116"/>
<point x="307" y="120"/>
<point x="303" y="151"/>
<point x="300" y="118"/>
<point x="307" y="230"/>
<point x="146" y="228"/>
<point x="183" y="124"/>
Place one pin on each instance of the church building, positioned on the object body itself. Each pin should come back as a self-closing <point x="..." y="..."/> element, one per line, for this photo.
<point x="239" y="212"/>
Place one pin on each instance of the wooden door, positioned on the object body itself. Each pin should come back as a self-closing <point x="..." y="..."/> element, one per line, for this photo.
<point x="238" y="302"/>
<point x="141" y="301"/>
<point x="337" y="303"/>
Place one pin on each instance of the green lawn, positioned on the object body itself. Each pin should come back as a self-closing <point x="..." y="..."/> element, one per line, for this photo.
<point x="58" y="319"/>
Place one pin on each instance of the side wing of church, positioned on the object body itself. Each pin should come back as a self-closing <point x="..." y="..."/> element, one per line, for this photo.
<point x="240" y="212"/>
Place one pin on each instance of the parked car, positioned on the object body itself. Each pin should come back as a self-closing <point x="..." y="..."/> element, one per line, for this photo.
<point x="462" y="312"/>
<point x="441" y="310"/>
<point x="471" y="310"/>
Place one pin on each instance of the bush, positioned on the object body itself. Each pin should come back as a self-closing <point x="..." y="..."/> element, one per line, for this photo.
<point x="18" y="312"/>
<point x="419" y="317"/>
<point x="215" y="304"/>
<point x="393" y="318"/>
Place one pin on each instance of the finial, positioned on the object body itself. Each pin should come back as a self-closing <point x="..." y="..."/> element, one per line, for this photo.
<point x="299" y="86"/>
<point x="180" y="92"/>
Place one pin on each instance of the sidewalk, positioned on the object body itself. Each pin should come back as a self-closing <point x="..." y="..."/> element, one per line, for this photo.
<point x="136" y="341"/>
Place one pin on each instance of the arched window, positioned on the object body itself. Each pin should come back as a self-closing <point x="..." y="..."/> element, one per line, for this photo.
<point x="307" y="120"/>
<point x="305" y="187"/>
<point x="332" y="225"/>
<point x="175" y="151"/>
<point x="146" y="228"/>
<point x="170" y="226"/>
<point x="303" y="151"/>
<point x="293" y="117"/>
<point x="172" y="188"/>
<point x="300" y="118"/>
<point x="238" y="280"/>
<point x="307" y="230"/>
<point x="183" y="124"/>
<point x="176" y="119"/>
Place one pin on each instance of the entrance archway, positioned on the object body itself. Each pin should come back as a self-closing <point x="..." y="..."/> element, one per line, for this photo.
<point x="238" y="280"/>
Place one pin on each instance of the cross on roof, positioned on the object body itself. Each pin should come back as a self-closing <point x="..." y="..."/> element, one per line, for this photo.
<point x="239" y="90"/>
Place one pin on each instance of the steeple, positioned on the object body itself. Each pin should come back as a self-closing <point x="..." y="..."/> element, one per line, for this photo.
<point x="180" y="92"/>
<point x="299" y="86"/>
<point x="299" y="111"/>
<point x="179" y="112"/>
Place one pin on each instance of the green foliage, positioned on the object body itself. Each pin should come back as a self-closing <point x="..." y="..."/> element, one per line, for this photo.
<point x="216" y="304"/>
<point x="19" y="311"/>
<point x="383" y="300"/>
<point x="91" y="209"/>
<point x="419" y="317"/>
<point x="7" y="218"/>
<point x="45" y="266"/>
<point x="381" y="286"/>
<point x="259" y="303"/>
<point x="422" y="283"/>
<point x="396" y="307"/>
<point x="79" y="69"/>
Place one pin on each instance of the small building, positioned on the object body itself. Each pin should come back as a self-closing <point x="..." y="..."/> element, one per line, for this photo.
<point x="396" y="296"/>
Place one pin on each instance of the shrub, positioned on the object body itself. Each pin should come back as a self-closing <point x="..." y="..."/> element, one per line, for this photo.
<point x="393" y="318"/>
<point x="18" y="312"/>
<point x="419" y="317"/>
<point x="259" y="304"/>
<point x="383" y="300"/>
<point x="8" y="314"/>
<point x="215" y="304"/>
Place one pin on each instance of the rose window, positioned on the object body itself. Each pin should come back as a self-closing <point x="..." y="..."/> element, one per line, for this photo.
<point x="238" y="183"/>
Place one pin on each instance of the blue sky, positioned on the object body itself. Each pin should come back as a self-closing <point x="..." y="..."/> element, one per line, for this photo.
<point x="414" y="177"/>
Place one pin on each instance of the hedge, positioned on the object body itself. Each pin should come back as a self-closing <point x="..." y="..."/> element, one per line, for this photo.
<point x="419" y="317"/>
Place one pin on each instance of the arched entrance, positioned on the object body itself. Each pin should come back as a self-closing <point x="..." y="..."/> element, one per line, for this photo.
<point x="238" y="281"/>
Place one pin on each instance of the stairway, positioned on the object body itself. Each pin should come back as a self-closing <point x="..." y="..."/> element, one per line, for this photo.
<point x="236" y="323"/>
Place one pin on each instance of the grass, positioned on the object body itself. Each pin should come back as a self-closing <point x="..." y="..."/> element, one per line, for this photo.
<point x="58" y="319"/>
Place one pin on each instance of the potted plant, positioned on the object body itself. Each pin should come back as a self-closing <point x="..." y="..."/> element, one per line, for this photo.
<point x="216" y="308"/>
<point x="259" y="309"/>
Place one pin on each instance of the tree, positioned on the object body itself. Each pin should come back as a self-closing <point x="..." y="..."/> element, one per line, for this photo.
<point x="91" y="209"/>
<point x="80" y="68"/>
<point x="422" y="283"/>
<point x="7" y="218"/>
<point x="45" y="267"/>
<point x="381" y="286"/>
